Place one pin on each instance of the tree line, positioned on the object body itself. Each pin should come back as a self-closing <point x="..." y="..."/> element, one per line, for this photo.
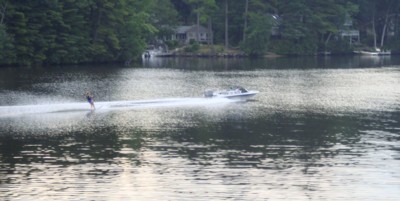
<point x="73" y="31"/>
<point x="97" y="31"/>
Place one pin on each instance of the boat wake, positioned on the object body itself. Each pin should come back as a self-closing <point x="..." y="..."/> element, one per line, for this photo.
<point x="8" y="111"/>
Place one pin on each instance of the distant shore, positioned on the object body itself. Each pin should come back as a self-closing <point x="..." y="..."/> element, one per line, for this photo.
<point x="237" y="54"/>
<point x="218" y="51"/>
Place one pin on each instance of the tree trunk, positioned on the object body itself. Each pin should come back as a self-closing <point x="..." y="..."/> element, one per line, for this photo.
<point x="3" y="12"/>
<point x="328" y="39"/>
<point x="384" y="28"/>
<point x="198" y="26"/>
<point x="226" y="25"/>
<point x="373" y="29"/>
<point x="246" y="9"/>
<point x="210" y="32"/>
<point x="96" y="13"/>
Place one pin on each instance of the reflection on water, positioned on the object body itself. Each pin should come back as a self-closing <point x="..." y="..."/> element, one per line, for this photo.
<point x="217" y="64"/>
<point x="311" y="134"/>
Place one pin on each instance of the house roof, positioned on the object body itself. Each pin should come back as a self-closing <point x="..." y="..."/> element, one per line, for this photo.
<point x="185" y="29"/>
<point x="182" y="29"/>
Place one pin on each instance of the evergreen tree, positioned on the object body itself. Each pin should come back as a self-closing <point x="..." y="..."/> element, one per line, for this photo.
<point x="71" y="42"/>
<point x="257" y="34"/>
<point x="74" y="31"/>
<point x="259" y="16"/>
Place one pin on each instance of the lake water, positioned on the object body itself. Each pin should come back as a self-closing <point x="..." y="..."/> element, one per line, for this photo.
<point x="321" y="128"/>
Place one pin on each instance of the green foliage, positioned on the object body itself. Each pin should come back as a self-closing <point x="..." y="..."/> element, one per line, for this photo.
<point x="72" y="44"/>
<point x="74" y="31"/>
<point x="164" y="17"/>
<point x="133" y="35"/>
<point x="258" y="34"/>
<point x="82" y="31"/>
<point x="393" y="45"/>
<point x="193" y="46"/>
<point x="172" y="44"/>
<point x="202" y="7"/>
<point x="375" y="17"/>
<point x="340" y="47"/>
<point x="6" y="47"/>
<point x="304" y="46"/>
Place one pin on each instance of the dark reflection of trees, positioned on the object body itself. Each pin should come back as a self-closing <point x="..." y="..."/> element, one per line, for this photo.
<point x="226" y="64"/>
<point x="99" y="145"/>
<point x="281" y="139"/>
<point x="277" y="130"/>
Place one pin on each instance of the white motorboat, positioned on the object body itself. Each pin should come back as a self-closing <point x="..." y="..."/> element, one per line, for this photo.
<point x="233" y="92"/>
<point x="377" y="52"/>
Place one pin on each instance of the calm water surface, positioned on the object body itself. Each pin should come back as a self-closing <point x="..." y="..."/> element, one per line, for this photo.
<point x="321" y="129"/>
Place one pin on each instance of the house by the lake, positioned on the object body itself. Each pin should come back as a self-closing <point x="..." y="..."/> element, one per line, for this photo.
<point x="184" y="34"/>
<point x="347" y="31"/>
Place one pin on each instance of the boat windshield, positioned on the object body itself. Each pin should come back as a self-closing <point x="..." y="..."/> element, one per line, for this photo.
<point x="241" y="89"/>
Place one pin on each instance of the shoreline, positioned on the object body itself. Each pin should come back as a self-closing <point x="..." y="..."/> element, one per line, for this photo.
<point x="268" y="55"/>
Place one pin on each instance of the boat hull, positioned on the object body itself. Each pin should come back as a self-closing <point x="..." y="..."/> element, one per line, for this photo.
<point x="245" y="95"/>
<point x="373" y="53"/>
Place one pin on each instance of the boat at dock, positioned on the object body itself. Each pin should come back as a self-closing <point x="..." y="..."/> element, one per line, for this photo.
<point x="377" y="52"/>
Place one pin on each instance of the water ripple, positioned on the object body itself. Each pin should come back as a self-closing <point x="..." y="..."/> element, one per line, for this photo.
<point x="311" y="134"/>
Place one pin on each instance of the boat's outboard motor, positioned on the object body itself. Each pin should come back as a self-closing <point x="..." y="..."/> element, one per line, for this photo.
<point x="208" y="93"/>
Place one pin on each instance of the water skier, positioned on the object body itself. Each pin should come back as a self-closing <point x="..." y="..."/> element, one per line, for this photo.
<point x="90" y="99"/>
